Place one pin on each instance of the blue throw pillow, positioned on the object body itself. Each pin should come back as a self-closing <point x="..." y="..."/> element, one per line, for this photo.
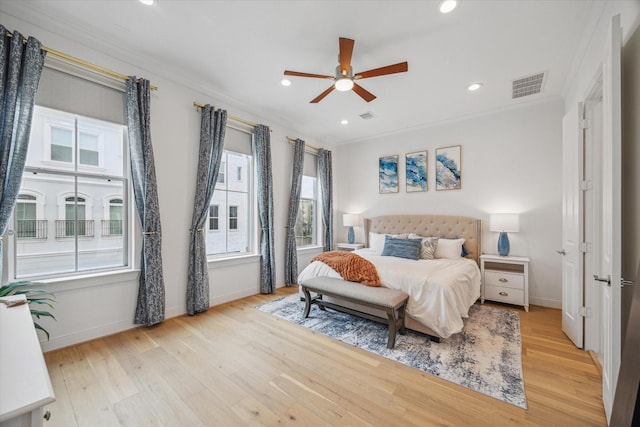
<point x="402" y="248"/>
<point x="465" y="251"/>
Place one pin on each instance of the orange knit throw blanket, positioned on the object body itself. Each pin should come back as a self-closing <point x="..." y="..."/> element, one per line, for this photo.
<point x="351" y="267"/>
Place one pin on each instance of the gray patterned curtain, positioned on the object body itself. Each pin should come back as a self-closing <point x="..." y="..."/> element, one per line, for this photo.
<point x="20" y="68"/>
<point x="326" y="179"/>
<point x="150" y="306"/>
<point x="265" y="209"/>
<point x="290" y="253"/>
<point x="212" y="130"/>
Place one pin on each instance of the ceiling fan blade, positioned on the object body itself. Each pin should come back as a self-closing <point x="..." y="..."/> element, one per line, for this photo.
<point x="365" y="94"/>
<point x="346" y="50"/>
<point x="322" y="95"/>
<point x="389" y="69"/>
<point x="298" y="74"/>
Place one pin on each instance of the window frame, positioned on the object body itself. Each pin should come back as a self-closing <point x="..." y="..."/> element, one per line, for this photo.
<point x="252" y="212"/>
<point x="87" y="128"/>
<point x="315" y="226"/>
<point x="215" y="217"/>
<point x="79" y="174"/>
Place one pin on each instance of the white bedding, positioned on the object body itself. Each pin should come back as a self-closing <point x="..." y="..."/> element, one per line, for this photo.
<point x="440" y="290"/>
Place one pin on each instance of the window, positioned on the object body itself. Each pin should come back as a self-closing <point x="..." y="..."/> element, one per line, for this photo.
<point x="233" y="217"/>
<point x="213" y="217"/>
<point x="65" y="173"/>
<point x="25" y="214"/>
<point x="74" y="221"/>
<point x="89" y="149"/>
<point x="112" y="226"/>
<point x="230" y="207"/>
<point x="61" y="142"/>
<point x="307" y="213"/>
<point x="221" y="172"/>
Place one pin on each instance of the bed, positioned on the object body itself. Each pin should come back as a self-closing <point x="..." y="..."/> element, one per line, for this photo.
<point x="441" y="291"/>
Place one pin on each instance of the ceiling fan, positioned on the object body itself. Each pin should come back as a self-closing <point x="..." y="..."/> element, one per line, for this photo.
<point x="344" y="79"/>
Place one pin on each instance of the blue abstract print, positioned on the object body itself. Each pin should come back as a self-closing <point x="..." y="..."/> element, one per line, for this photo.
<point x="416" y="171"/>
<point x="388" y="174"/>
<point x="448" y="172"/>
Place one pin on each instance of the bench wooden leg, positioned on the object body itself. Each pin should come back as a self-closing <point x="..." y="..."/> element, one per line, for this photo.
<point x="402" y="312"/>
<point x="393" y="326"/>
<point x="307" y="302"/>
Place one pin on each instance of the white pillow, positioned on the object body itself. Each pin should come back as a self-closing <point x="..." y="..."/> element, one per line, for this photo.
<point x="449" y="248"/>
<point x="376" y="242"/>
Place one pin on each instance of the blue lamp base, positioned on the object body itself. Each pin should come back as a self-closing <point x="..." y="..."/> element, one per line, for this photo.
<point x="351" y="237"/>
<point x="503" y="244"/>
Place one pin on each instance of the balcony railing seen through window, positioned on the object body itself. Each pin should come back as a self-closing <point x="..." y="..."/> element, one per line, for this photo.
<point x="31" y="229"/>
<point x="71" y="228"/>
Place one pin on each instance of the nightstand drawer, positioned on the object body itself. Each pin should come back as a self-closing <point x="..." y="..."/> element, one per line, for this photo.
<point x="502" y="294"/>
<point x="504" y="280"/>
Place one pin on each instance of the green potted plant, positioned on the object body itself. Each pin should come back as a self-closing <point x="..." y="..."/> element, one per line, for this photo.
<point x="35" y="297"/>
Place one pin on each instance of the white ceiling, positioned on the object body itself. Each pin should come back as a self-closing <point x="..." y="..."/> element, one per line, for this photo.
<point x="236" y="51"/>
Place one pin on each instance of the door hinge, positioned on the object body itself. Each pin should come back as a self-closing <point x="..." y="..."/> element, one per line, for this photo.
<point x="584" y="311"/>
<point x="584" y="124"/>
<point x="585" y="247"/>
<point x="586" y="185"/>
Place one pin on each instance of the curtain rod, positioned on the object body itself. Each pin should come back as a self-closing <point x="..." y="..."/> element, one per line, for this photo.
<point x="292" y="140"/>
<point x="83" y="63"/>
<point x="229" y="116"/>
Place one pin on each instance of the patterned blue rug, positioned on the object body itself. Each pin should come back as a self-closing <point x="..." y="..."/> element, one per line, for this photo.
<point x="484" y="357"/>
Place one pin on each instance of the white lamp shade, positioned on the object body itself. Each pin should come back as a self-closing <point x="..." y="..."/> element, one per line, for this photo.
<point x="350" y="220"/>
<point x="509" y="223"/>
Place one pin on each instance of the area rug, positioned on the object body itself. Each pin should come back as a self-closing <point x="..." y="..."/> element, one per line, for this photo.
<point x="484" y="357"/>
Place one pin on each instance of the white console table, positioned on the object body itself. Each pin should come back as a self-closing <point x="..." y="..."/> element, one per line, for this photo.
<point x="25" y="386"/>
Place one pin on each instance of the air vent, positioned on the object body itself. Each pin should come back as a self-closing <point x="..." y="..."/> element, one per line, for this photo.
<point x="368" y="115"/>
<point x="526" y="86"/>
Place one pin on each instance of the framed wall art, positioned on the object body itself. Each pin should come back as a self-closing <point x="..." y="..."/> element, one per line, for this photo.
<point x="388" y="174"/>
<point x="448" y="168"/>
<point x="416" y="171"/>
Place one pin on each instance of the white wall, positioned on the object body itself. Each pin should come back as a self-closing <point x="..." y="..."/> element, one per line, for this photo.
<point x="511" y="162"/>
<point x="90" y="307"/>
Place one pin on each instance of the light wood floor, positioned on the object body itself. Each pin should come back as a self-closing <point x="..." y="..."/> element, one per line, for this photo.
<point x="235" y="365"/>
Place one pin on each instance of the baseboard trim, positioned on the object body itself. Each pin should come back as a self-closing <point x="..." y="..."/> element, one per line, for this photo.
<point x="544" y="302"/>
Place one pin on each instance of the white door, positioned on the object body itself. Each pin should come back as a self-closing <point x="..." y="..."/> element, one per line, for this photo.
<point x="572" y="225"/>
<point x="608" y="268"/>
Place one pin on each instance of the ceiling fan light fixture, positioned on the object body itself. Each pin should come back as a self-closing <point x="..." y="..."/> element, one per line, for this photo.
<point x="474" y="86"/>
<point x="148" y="2"/>
<point x="344" y="84"/>
<point x="447" y="6"/>
<point x="344" y="122"/>
<point x="285" y="82"/>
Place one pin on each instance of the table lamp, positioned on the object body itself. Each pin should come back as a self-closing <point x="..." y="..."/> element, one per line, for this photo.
<point x="350" y="221"/>
<point x="504" y="223"/>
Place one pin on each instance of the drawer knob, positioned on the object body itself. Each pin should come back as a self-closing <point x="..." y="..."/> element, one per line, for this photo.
<point x="504" y="294"/>
<point x="503" y="280"/>
<point x="47" y="415"/>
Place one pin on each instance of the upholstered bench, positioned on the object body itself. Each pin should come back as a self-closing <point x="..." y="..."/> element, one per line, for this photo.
<point x="393" y="301"/>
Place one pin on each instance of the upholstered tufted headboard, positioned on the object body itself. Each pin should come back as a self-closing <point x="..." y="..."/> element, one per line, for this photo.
<point x="430" y="225"/>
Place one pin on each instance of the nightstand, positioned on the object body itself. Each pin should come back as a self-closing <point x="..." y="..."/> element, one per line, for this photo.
<point x="349" y="246"/>
<point x="505" y="279"/>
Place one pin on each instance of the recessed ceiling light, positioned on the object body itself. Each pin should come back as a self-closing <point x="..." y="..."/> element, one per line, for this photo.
<point x="148" y="2"/>
<point x="448" y="5"/>
<point x="474" y="86"/>
<point x="285" y="82"/>
<point x="344" y="122"/>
